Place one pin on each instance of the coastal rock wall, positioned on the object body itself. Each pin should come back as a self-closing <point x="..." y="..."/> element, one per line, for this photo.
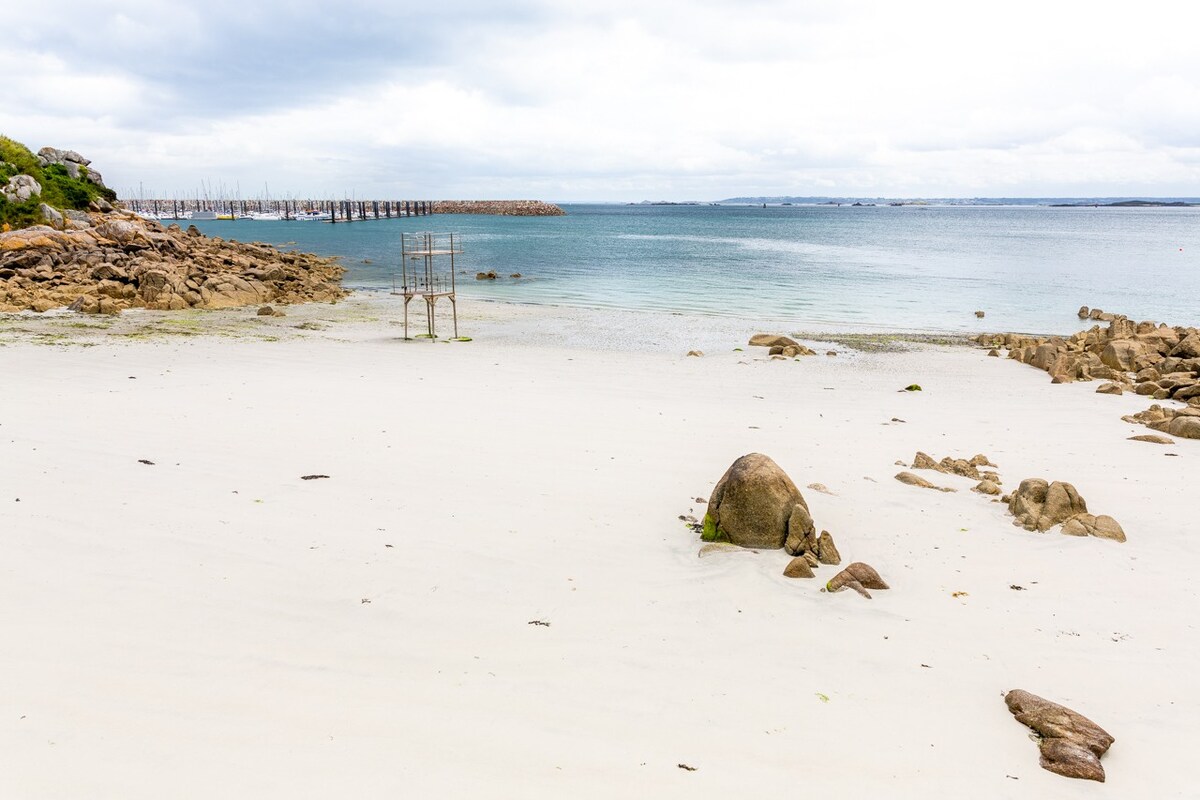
<point x="107" y="262"/>
<point x="507" y="208"/>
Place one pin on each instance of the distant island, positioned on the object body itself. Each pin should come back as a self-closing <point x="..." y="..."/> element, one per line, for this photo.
<point x="1130" y="204"/>
<point x="1053" y="202"/>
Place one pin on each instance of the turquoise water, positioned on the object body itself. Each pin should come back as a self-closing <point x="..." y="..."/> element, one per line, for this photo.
<point x="911" y="267"/>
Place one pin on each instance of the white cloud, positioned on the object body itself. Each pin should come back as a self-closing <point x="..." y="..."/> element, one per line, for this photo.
<point x="616" y="100"/>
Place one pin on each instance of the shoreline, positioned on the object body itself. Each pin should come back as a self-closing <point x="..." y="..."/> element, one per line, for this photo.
<point x="200" y="616"/>
<point x="510" y="321"/>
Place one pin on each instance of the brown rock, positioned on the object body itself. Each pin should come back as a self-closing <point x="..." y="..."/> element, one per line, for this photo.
<point x="1071" y="744"/>
<point x="1110" y="388"/>
<point x="1152" y="438"/>
<point x="1039" y="506"/>
<point x="979" y="314"/>
<point x="987" y="487"/>
<point x="798" y="567"/>
<point x="917" y="480"/>
<point x="994" y="353"/>
<point x="801" y="531"/>
<point x="1185" y="427"/>
<point x="772" y="340"/>
<point x="923" y="461"/>
<point x="752" y="504"/>
<point x="1083" y="312"/>
<point x="859" y="577"/>
<point x="696" y="353"/>
<point x="827" y="552"/>
<point x="266" y="311"/>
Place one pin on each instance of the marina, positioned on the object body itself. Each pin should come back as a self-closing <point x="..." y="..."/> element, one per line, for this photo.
<point x="331" y="211"/>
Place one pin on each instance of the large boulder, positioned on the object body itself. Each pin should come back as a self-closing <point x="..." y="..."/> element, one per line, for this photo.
<point x="754" y="505"/>
<point x="1185" y="427"/>
<point x="1039" y="505"/>
<point x="772" y="340"/>
<point x="1128" y="355"/>
<point x="20" y="188"/>
<point x="1071" y="744"/>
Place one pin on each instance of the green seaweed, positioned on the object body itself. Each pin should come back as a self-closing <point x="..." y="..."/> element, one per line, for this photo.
<point x="913" y="387"/>
<point x="712" y="532"/>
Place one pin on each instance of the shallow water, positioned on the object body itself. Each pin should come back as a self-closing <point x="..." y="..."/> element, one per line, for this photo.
<point x="816" y="268"/>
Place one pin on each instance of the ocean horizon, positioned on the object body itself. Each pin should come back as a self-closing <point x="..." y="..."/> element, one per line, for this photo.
<point x="815" y="267"/>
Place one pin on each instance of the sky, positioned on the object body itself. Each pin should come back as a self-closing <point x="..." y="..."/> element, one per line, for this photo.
<point x="622" y="100"/>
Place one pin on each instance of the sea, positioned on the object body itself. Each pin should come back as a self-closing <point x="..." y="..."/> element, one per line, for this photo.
<point x="920" y="268"/>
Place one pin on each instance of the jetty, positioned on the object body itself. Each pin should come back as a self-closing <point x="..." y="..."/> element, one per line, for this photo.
<point x="332" y="211"/>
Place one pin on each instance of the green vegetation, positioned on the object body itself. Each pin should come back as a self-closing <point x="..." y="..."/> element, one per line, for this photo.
<point x="59" y="189"/>
<point x="711" y="533"/>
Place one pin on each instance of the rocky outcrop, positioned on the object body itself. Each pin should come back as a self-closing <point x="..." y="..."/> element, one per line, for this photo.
<point x="507" y="208"/>
<point x="75" y="164"/>
<point x="967" y="468"/>
<point x="1153" y="359"/>
<point x="1039" y="505"/>
<point x="1071" y="744"/>
<point x="1181" y="422"/>
<point x="107" y="262"/>
<point x="20" y="188"/>
<point x="756" y="504"/>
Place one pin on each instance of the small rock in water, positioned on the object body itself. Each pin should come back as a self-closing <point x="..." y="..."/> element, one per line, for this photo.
<point x="696" y="353"/>
<point x="312" y="477"/>
<point x="979" y="314"/>
<point x="820" y="487"/>
<point x="266" y="311"/>
<point x="146" y="461"/>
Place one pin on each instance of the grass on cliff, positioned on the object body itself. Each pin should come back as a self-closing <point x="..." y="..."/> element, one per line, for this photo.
<point x="59" y="189"/>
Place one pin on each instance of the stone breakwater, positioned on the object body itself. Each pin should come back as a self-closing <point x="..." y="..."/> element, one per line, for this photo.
<point x="507" y="208"/>
<point x="108" y="262"/>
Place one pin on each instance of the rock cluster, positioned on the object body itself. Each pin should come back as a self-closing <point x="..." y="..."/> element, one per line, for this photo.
<point x="780" y="345"/>
<point x="507" y="208"/>
<point x="1071" y="744"/>
<point x="20" y="188"/>
<point x="1181" y="422"/>
<point x="756" y="504"/>
<point x="967" y="468"/>
<point x="1152" y="359"/>
<point x="107" y="262"/>
<point x="1039" y="505"/>
<point x="1096" y="314"/>
<point x="75" y="164"/>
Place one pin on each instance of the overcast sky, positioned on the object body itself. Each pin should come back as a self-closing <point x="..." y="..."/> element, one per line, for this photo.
<point x="615" y="100"/>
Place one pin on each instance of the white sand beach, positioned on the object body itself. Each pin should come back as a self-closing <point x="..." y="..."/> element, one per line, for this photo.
<point x="211" y="625"/>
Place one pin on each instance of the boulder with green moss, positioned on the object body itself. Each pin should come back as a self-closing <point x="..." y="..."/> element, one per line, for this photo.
<point x="756" y="504"/>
